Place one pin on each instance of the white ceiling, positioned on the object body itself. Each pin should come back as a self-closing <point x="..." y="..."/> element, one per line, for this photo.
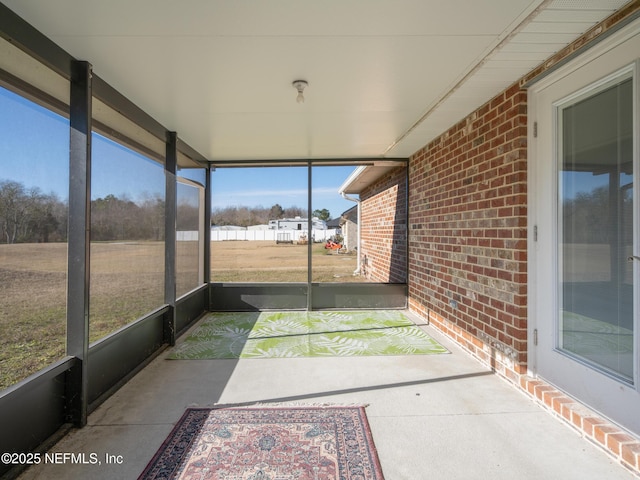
<point x="385" y="76"/>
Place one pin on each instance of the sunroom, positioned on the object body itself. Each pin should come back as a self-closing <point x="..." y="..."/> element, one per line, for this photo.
<point x="469" y="165"/>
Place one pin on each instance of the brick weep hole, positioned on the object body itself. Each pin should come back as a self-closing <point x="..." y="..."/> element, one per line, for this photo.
<point x="467" y="244"/>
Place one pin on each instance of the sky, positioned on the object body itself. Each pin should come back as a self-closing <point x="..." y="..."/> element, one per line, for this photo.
<point x="286" y="186"/>
<point x="34" y="146"/>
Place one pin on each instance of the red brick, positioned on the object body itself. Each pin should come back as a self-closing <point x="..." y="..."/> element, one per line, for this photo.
<point x="540" y="390"/>
<point x="576" y="419"/>
<point x="549" y="396"/>
<point x="589" y="424"/>
<point x="562" y="406"/>
<point x="600" y="432"/>
<point x="631" y="455"/>
<point x="531" y="386"/>
<point x="616" y="440"/>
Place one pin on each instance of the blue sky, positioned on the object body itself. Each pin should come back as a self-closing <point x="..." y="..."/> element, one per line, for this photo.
<point x="34" y="145"/>
<point x="34" y="150"/>
<point x="286" y="186"/>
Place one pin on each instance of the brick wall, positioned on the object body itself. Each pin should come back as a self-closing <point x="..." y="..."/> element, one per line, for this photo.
<point x="467" y="222"/>
<point x="384" y="228"/>
<point x="467" y="271"/>
<point x="467" y="232"/>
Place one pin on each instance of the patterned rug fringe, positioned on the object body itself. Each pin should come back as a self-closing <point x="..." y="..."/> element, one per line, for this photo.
<point x="271" y="441"/>
<point x="286" y="405"/>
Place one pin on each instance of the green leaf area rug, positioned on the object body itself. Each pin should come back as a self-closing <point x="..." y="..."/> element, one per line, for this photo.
<point x="305" y="334"/>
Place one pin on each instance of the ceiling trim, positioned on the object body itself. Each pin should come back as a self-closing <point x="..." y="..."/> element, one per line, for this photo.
<point x="594" y="36"/>
<point x="314" y="162"/>
<point x="443" y="98"/>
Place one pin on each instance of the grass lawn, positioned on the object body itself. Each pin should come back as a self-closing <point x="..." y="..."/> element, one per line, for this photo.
<point x="265" y="261"/>
<point x="127" y="282"/>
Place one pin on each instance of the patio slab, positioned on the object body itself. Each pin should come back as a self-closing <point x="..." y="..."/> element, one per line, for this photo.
<point x="432" y="416"/>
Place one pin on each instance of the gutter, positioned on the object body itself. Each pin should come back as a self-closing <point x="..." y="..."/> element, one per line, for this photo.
<point x="347" y="197"/>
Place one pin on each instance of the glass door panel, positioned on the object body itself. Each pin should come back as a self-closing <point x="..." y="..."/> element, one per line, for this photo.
<point x="596" y="226"/>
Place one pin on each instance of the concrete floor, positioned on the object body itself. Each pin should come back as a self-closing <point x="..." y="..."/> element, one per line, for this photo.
<point x="432" y="417"/>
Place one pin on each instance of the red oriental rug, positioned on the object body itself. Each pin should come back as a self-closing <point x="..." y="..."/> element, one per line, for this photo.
<point x="268" y="443"/>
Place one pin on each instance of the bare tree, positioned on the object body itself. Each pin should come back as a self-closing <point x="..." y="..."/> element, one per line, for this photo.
<point x="244" y="216"/>
<point x="188" y="217"/>
<point x="153" y="208"/>
<point x="29" y="215"/>
<point x="292" y="212"/>
<point x="12" y="209"/>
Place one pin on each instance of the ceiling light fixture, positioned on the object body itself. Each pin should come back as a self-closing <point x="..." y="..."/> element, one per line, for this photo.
<point x="300" y="85"/>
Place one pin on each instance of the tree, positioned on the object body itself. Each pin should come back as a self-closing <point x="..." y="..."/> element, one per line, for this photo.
<point x="188" y="217"/>
<point x="12" y="209"/>
<point x="153" y="206"/>
<point x="587" y="217"/>
<point x="292" y="212"/>
<point x="113" y="218"/>
<point x="276" y="212"/>
<point x="29" y="215"/>
<point x="245" y="216"/>
<point x="42" y="223"/>
<point x="323" y="214"/>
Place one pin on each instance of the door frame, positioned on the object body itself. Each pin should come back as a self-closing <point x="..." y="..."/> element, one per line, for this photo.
<point x="613" y="398"/>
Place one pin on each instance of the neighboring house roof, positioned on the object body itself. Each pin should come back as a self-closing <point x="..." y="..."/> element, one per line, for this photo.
<point x="350" y="215"/>
<point x="365" y="175"/>
<point x="333" y="223"/>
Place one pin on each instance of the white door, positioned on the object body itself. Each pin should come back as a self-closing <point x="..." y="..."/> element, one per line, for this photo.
<point x="584" y="241"/>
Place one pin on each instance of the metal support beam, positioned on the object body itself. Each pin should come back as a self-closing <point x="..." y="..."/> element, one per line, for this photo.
<point x="207" y="229"/>
<point x="20" y="33"/>
<point x="309" y="236"/>
<point x="116" y="100"/>
<point x="406" y="223"/>
<point x="171" y="207"/>
<point x="79" y="239"/>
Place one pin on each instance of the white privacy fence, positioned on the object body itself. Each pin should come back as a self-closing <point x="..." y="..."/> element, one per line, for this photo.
<point x="259" y="235"/>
